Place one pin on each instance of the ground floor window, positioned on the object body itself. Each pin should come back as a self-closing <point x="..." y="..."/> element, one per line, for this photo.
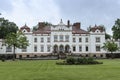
<point x="20" y="56"/>
<point x="35" y="55"/>
<point x="94" y="55"/>
<point x="8" y="49"/>
<point x="28" y="56"/>
<point x="48" y="48"/>
<point x="101" y="55"/>
<point x="80" y="48"/>
<point x="86" y="48"/>
<point x="86" y="55"/>
<point x="42" y="48"/>
<point x="35" y="48"/>
<point x="97" y="48"/>
<point x="74" y="48"/>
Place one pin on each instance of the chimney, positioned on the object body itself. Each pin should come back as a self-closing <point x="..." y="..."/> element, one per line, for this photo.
<point x="77" y="25"/>
<point x="68" y="23"/>
<point x="41" y="25"/>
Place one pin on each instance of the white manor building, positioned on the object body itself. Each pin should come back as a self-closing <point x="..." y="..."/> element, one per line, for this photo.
<point x="62" y="38"/>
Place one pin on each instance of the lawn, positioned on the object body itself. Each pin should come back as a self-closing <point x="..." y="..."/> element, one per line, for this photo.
<point x="48" y="70"/>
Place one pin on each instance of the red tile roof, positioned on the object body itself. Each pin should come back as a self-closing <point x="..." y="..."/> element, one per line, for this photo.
<point x="25" y="27"/>
<point x="43" y="30"/>
<point x="93" y="29"/>
<point x="77" y="30"/>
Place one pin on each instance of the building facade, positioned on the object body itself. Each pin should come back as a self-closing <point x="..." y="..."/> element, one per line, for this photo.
<point x="67" y="39"/>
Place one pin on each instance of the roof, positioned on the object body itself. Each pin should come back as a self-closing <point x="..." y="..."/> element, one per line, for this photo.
<point x="43" y="30"/>
<point x="93" y="29"/>
<point x="76" y="30"/>
<point x="25" y="27"/>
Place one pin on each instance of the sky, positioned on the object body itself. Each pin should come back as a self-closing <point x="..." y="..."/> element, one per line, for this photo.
<point x="88" y="12"/>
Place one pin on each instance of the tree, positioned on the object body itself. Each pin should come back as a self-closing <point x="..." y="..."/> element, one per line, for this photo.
<point x="116" y="29"/>
<point x="7" y="27"/>
<point x="35" y="28"/>
<point x="16" y="40"/>
<point x="110" y="46"/>
<point x="107" y="36"/>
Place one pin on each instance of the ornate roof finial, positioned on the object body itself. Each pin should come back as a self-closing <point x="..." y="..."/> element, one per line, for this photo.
<point x="61" y="21"/>
<point x="95" y="25"/>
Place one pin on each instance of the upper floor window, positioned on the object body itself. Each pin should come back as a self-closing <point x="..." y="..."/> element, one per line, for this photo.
<point x="35" y="39"/>
<point x="86" y="39"/>
<point x="97" y="39"/>
<point x="8" y="49"/>
<point x="80" y="39"/>
<point x="24" y="49"/>
<point x="67" y="38"/>
<point x="61" y="37"/>
<point x="42" y="39"/>
<point x="97" y="48"/>
<point x="55" y="38"/>
<point x="74" y="40"/>
<point x="48" y="39"/>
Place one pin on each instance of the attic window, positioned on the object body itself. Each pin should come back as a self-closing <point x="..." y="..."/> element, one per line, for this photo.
<point x="24" y="31"/>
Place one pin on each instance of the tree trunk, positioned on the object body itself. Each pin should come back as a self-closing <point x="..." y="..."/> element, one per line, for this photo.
<point x="112" y="55"/>
<point x="13" y="53"/>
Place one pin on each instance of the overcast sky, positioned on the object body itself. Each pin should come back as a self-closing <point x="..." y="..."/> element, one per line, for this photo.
<point x="88" y="12"/>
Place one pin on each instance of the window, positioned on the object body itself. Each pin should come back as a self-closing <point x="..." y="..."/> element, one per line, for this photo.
<point x="24" y="50"/>
<point x="94" y="55"/>
<point x="97" y="39"/>
<point x="80" y="39"/>
<point x="35" y="48"/>
<point x="55" y="38"/>
<point x="35" y="39"/>
<point x="20" y="56"/>
<point x="8" y="49"/>
<point x="74" y="48"/>
<point x="61" y="37"/>
<point x="48" y="48"/>
<point x="42" y="48"/>
<point x="101" y="55"/>
<point x="42" y="39"/>
<point x="86" y="39"/>
<point x="86" y="55"/>
<point x="67" y="38"/>
<point x="73" y="39"/>
<point x="48" y="39"/>
<point x="35" y="56"/>
<point x="80" y="48"/>
<point x="28" y="56"/>
<point x="86" y="48"/>
<point x="97" y="48"/>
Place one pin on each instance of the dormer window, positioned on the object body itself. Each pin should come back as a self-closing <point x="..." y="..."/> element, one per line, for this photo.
<point x="24" y="30"/>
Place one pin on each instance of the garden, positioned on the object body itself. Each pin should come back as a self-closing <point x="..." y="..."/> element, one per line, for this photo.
<point x="49" y="70"/>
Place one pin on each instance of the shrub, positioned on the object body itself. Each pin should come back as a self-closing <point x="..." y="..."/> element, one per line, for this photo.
<point x="78" y="61"/>
<point x="70" y="60"/>
<point x="3" y="59"/>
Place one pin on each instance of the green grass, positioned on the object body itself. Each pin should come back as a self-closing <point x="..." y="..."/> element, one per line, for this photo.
<point x="48" y="70"/>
